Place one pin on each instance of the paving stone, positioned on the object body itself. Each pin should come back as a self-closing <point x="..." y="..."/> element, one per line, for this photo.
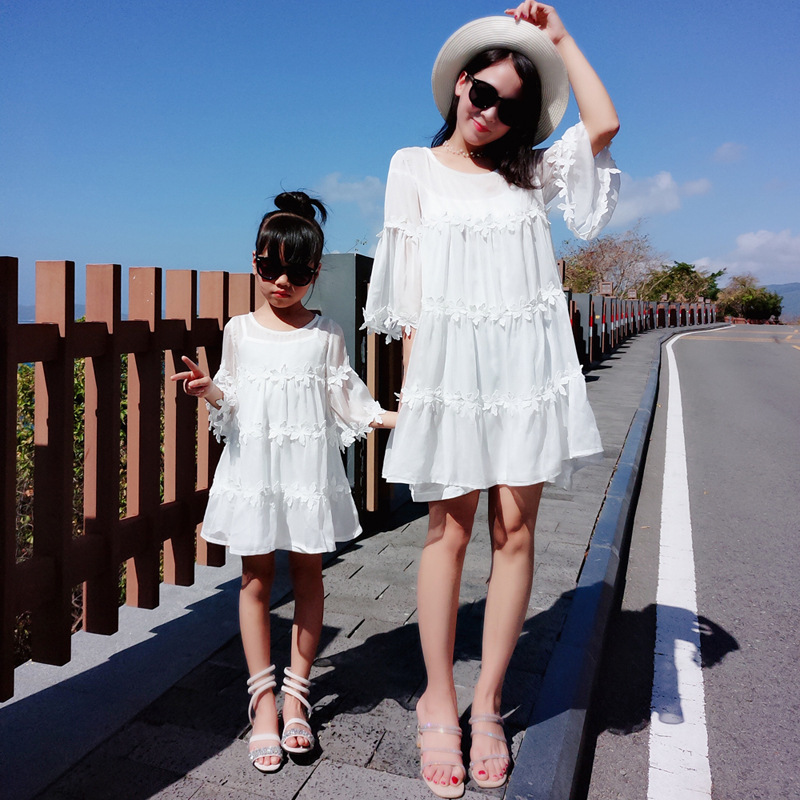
<point x="231" y="767"/>
<point x="350" y="739"/>
<point x="353" y="607"/>
<point x="222" y="713"/>
<point x="175" y="748"/>
<point x="200" y="790"/>
<point x="109" y="775"/>
<point x="332" y="781"/>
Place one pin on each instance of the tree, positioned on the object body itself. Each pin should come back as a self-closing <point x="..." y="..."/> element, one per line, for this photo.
<point x="681" y="282"/>
<point x="744" y="297"/>
<point x="625" y="259"/>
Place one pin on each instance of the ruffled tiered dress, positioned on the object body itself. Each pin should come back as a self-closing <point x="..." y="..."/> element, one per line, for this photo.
<point x="493" y="393"/>
<point x="292" y="401"/>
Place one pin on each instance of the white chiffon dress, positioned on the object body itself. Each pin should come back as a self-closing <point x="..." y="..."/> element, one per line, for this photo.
<point x="493" y="393"/>
<point x="292" y="401"/>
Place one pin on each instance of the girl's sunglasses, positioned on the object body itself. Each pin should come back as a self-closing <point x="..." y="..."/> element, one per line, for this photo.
<point x="272" y="269"/>
<point x="483" y="95"/>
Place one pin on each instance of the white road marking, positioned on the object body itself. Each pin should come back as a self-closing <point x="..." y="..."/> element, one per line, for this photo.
<point x="679" y="766"/>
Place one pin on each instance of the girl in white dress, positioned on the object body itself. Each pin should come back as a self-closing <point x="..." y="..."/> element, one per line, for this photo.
<point x="493" y="395"/>
<point x="286" y="400"/>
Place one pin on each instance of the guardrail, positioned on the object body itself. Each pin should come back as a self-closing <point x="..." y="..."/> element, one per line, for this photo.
<point x="170" y="460"/>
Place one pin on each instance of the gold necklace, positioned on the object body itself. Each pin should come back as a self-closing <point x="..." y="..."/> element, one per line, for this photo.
<point x="463" y="153"/>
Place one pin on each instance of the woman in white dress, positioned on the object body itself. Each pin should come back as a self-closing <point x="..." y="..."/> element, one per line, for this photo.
<point x="493" y="396"/>
<point x="286" y="400"/>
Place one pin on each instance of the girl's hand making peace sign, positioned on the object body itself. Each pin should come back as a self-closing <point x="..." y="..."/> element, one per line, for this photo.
<point x="196" y="383"/>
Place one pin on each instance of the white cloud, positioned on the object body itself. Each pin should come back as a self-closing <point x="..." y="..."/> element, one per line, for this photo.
<point x="729" y="152"/>
<point x="701" y="186"/>
<point x="367" y="193"/>
<point x="654" y="196"/>
<point x="772" y="256"/>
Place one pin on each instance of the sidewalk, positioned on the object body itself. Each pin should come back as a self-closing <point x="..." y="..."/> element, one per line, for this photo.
<point x="190" y="742"/>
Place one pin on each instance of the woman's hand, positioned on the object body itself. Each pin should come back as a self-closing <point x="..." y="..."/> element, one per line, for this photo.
<point x="543" y="17"/>
<point x="196" y="383"/>
<point x="596" y="109"/>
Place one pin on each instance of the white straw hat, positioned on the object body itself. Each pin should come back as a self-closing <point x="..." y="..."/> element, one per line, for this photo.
<point x="488" y="33"/>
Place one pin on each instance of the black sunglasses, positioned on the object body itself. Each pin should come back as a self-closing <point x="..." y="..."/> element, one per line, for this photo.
<point x="483" y="95"/>
<point x="272" y="269"/>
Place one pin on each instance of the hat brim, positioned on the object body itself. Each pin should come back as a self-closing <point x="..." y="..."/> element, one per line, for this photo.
<point x="488" y="33"/>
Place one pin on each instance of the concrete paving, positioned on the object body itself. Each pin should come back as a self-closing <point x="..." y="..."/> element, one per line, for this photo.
<point x="188" y="739"/>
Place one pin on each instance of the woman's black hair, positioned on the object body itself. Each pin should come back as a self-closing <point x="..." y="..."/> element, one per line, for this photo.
<point x="513" y="153"/>
<point x="292" y="232"/>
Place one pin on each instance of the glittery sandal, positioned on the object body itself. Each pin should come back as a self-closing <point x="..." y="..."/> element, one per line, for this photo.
<point x="264" y="681"/>
<point x="448" y="790"/>
<point x="489" y="783"/>
<point x="299" y="688"/>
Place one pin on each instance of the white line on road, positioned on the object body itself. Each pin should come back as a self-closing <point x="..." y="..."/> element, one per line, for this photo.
<point x="679" y="766"/>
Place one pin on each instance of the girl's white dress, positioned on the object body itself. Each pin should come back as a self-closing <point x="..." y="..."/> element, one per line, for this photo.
<point x="292" y="401"/>
<point x="494" y="393"/>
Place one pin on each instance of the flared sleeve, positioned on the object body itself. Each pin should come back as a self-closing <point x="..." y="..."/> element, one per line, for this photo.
<point x="352" y="404"/>
<point x="222" y="419"/>
<point x="394" y="298"/>
<point x="587" y="186"/>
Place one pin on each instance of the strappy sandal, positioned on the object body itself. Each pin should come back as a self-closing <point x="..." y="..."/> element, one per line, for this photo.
<point x="256" y="686"/>
<point x="299" y="688"/>
<point x="449" y="790"/>
<point x="486" y="783"/>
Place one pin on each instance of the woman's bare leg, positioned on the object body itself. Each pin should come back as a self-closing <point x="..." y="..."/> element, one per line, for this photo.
<point x="512" y="519"/>
<point x="309" y="600"/>
<point x="441" y="563"/>
<point x="257" y="576"/>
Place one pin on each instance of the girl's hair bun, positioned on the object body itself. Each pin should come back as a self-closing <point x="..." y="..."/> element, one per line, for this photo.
<point x="302" y="205"/>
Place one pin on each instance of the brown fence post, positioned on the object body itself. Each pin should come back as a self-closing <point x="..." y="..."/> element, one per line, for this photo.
<point x="213" y="305"/>
<point x="180" y="433"/>
<point x="101" y="471"/>
<point x="9" y="279"/>
<point x="51" y="623"/>
<point x="144" y="438"/>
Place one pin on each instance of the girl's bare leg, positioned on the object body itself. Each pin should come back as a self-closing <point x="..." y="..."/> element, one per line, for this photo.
<point x="257" y="575"/>
<point x="441" y="563"/>
<point x="309" y="600"/>
<point x="512" y="519"/>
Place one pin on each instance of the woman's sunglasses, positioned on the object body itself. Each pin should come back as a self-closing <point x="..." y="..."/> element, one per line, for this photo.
<point x="272" y="269"/>
<point x="483" y="95"/>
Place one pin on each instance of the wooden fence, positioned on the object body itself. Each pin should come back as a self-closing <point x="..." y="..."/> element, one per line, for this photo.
<point x="167" y="472"/>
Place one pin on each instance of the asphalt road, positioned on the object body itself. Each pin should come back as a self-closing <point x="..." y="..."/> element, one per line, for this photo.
<point x="740" y="396"/>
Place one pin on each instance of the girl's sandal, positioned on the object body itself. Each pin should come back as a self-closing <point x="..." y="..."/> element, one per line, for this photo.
<point x="264" y="681"/>
<point x="487" y="782"/>
<point x="299" y="688"/>
<point x="449" y="790"/>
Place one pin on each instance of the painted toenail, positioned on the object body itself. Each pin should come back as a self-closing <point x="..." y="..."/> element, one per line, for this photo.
<point x="454" y="780"/>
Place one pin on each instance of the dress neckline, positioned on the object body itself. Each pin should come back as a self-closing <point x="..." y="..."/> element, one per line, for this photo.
<point x="429" y="151"/>
<point x="309" y="324"/>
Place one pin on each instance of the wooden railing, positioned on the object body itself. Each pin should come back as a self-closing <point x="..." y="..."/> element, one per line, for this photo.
<point x="157" y="520"/>
<point x="167" y="472"/>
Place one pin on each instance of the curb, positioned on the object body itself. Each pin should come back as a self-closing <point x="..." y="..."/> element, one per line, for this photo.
<point x="547" y="764"/>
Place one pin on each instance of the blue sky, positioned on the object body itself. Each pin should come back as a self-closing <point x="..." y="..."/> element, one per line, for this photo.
<point x="156" y="132"/>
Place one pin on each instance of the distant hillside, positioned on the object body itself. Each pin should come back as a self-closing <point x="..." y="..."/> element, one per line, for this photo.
<point x="791" y="300"/>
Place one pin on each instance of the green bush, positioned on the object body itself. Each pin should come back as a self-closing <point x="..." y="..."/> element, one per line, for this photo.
<point x="25" y="481"/>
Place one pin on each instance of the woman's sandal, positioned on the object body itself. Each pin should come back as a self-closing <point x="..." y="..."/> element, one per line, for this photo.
<point x="299" y="688"/>
<point x="449" y="790"/>
<point x="256" y="686"/>
<point x="489" y="783"/>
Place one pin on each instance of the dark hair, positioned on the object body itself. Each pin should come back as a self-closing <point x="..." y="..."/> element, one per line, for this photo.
<point x="513" y="153"/>
<point x="292" y="232"/>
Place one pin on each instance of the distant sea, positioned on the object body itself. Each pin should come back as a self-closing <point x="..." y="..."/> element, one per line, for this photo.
<point x="789" y="291"/>
<point x="26" y="314"/>
<point x="791" y="300"/>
